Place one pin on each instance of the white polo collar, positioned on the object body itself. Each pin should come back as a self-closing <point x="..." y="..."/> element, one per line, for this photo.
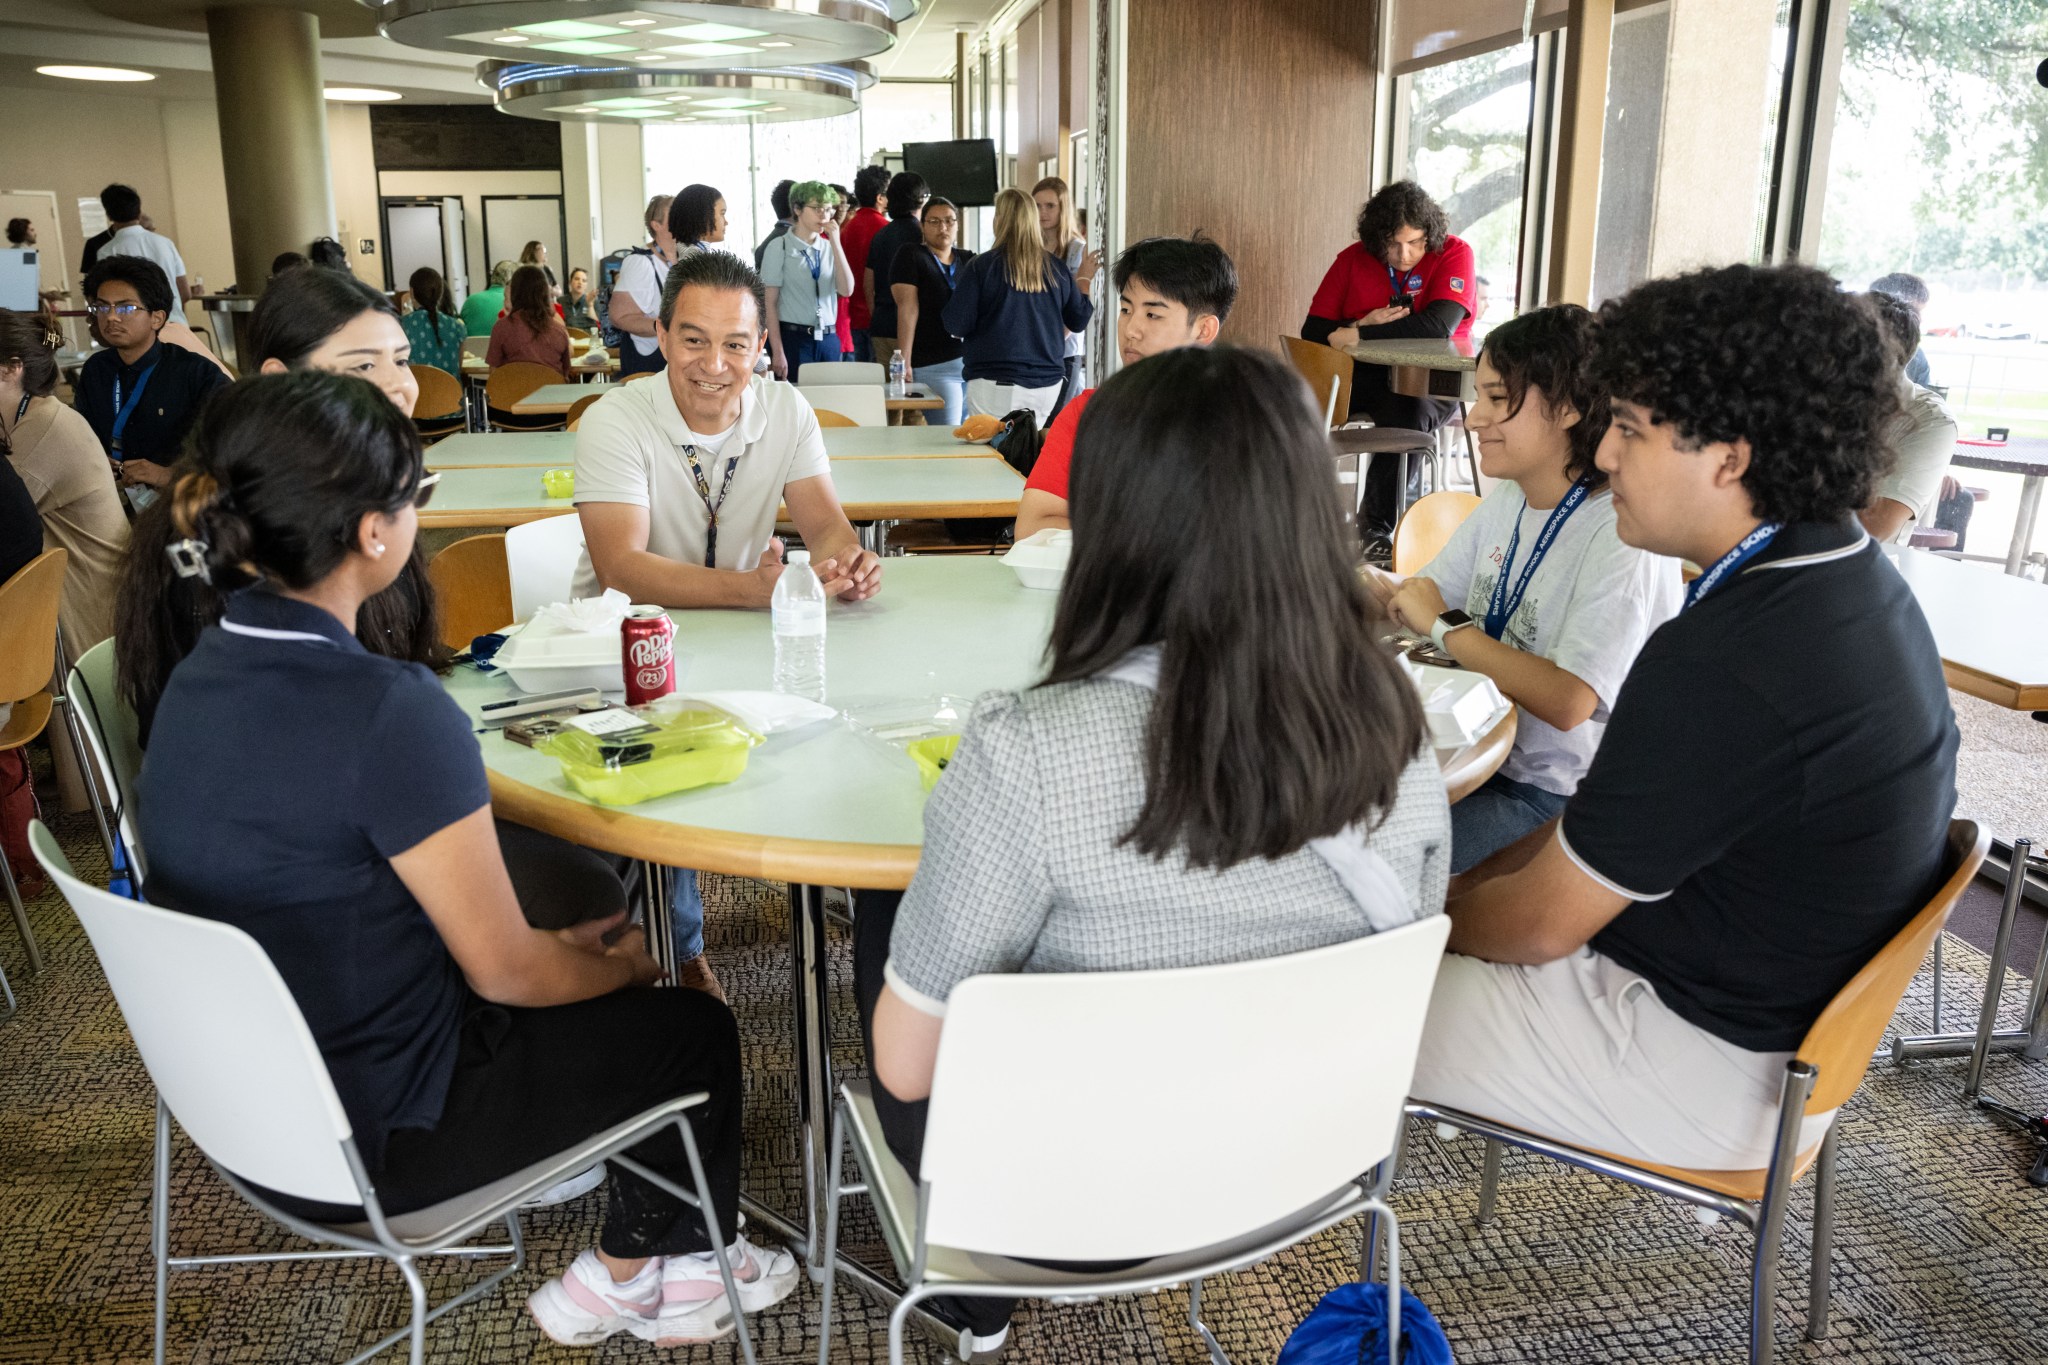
<point x="753" y="423"/>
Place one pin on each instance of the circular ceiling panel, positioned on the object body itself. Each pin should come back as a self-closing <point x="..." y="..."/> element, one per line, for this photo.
<point x="639" y="94"/>
<point x="674" y="34"/>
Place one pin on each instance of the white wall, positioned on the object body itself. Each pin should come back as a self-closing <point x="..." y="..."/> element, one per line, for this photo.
<point x="623" y="178"/>
<point x="352" y="164"/>
<point x="581" y="196"/>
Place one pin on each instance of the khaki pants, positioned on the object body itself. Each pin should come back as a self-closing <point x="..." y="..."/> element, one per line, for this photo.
<point x="1582" y="1050"/>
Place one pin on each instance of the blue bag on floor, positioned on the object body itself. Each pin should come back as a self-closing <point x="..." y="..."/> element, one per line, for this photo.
<point x="1349" y="1327"/>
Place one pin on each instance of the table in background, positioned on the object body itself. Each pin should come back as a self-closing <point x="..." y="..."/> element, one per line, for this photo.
<point x="1423" y="367"/>
<point x="557" y="449"/>
<point x="874" y="490"/>
<point x="828" y="805"/>
<point x="2026" y="456"/>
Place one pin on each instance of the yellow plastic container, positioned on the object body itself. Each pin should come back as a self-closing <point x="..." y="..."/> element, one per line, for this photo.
<point x="559" y="483"/>
<point x="624" y="757"/>
<point x="932" y="755"/>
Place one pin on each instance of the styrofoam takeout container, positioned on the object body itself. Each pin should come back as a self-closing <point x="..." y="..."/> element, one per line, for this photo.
<point x="1040" y="560"/>
<point x="1459" y="705"/>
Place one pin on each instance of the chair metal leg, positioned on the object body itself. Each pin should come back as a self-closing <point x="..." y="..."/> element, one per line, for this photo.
<point x="160" y="1219"/>
<point x="1393" y="1287"/>
<point x="831" y="1253"/>
<point x="1770" y="1222"/>
<point x="1489" y="1181"/>
<point x="1994" y="981"/>
<point x="1820" y="1281"/>
<point x="417" y="1288"/>
<point x="28" y="935"/>
<point x="710" y="1213"/>
<point x="1936" y="1007"/>
<point x="1217" y="1355"/>
<point x="88" y="764"/>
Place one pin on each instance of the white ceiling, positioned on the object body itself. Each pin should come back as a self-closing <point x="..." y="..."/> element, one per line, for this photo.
<point x="36" y="32"/>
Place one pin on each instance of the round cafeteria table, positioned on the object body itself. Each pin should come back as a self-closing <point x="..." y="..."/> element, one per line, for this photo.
<point x="827" y="805"/>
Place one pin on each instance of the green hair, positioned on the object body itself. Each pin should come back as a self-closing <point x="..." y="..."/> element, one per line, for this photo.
<point x="811" y="192"/>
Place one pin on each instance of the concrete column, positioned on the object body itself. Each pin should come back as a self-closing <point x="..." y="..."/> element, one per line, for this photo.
<point x="1717" y="82"/>
<point x="273" y="134"/>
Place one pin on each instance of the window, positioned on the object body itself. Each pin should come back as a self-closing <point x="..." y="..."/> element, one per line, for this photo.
<point x="1467" y="129"/>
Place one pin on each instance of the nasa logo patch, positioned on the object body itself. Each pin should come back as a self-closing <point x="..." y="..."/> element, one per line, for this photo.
<point x="1415" y="281"/>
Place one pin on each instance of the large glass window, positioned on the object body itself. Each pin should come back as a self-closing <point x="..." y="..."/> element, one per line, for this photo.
<point x="1467" y="135"/>
<point x="744" y="162"/>
<point x="895" y="112"/>
<point x="1938" y="167"/>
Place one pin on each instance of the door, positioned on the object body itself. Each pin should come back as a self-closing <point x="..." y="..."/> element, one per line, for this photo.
<point x="513" y="220"/>
<point x="414" y="237"/>
<point x="455" y="249"/>
<point x="40" y="208"/>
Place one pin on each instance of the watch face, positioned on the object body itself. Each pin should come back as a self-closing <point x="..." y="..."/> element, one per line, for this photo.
<point x="1455" y="617"/>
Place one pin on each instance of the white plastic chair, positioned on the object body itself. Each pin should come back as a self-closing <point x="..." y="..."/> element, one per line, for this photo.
<point x="847" y="372"/>
<point x="113" y="735"/>
<point x="864" y="403"/>
<point x="233" y="1060"/>
<point x="1107" y="1116"/>
<point x="541" y="557"/>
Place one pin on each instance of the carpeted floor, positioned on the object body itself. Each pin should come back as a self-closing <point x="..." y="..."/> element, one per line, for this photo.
<point x="1941" y="1248"/>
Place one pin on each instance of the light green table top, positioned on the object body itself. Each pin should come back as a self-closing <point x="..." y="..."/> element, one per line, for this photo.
<point x="869" y="490"/>
<point x="557" y="449"/>
<point x="827" y="804"/>
<point x="557" y="398"/>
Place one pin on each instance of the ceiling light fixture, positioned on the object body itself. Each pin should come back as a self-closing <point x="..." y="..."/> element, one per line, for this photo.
<point x="94" y="73"/>
<point x="585" y="94"/>
<point x="690" y="34"/>
<point x="360" y="94"/>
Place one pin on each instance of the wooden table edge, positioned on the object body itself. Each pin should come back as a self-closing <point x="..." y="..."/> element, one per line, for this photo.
<point x="1996" y="690"/>
<point x="1470" y="767"/>
<point x="458" y="518"/>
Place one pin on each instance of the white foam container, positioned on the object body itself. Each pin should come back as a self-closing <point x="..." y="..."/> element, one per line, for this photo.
<point x="1459" y="705"/>
<point x="1040" y="560"/>
<point x="546" y="657"/>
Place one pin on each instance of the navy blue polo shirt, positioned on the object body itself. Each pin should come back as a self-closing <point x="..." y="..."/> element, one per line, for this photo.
<point x="178" y="386"/>
<point x="287" y="767"/>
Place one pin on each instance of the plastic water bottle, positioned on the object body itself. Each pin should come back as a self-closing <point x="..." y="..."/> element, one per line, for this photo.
<point x="798" y="613"/>
<point x="898" y="387"/>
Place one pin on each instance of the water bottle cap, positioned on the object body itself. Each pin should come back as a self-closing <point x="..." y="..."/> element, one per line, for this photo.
<point x="797" y="557"/>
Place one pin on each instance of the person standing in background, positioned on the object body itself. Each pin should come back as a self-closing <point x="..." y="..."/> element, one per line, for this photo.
<point x="1912" y="291"/>
<point x="844" y="323"/>
<point x="1012" y="307"/>
<point x="921" y="283"/>
<point x="778" y="201"/>
<point x="1063" y="239"/>
<point x="577" y="302"/>
<point x="435" y="331"/>
<point x="636" y="293"/>
<point x="329" y="254"/>
<point x="696" y="219"/>
<point x="906" y="197"/>
<point x="806" y="275"/>
<point x="536" y="253"/>
<point x="129" y="236"/>
<point x="858" y="234"/>
<point x="20" y="232"/>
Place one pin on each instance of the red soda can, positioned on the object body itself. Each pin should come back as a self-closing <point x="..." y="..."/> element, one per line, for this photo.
<point x="648" y="641"/>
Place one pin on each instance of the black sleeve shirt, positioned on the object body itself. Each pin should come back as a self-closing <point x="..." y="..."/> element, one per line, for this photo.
<point x="170" y="402"/>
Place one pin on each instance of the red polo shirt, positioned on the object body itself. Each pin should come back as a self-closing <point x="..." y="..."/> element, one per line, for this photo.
<point x="854" y="238"/>
<point x="1049" y="475"/>
<point x="1358" y="282"/>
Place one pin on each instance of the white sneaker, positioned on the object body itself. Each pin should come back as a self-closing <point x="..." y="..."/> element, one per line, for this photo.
<point x="693" y="1303"/>
<point x="585" y="1305"/>
<point x="562" y="1191"/>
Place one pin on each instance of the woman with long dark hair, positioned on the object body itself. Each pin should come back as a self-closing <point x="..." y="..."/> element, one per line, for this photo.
<point x="1222" y="763"/>
<point x="532" y="329"/>
<point x="349" y="830"/>
<point x="433" y="326"/>
<point x="1549" y="602"/>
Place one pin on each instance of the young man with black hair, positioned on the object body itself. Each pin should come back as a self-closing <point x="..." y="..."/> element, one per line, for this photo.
<point x="140" y="395"/>
<point x="856" y="234"/>
<point x="129" y="235"/>
<point x="1770" y="803"/>
<point x="1171" y="292"/>
<point x="906" y="196"/>
<point x="778" y="202"/>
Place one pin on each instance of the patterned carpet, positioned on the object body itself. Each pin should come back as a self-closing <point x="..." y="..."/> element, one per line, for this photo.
<point x="1941" y="1251"/>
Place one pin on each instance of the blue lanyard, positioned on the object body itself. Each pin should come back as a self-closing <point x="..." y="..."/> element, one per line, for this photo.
<point x="123" y="411"/>
<point x="1501" y="607"/>
<point x="1745" y="550"/>
<point x="1393" y="284"/>
<point x="949" y="269"/>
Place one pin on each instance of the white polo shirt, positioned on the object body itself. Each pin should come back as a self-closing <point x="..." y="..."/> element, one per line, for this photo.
<point x="137" y="240"/>
<point x="1923" y="439"/>
<point x="629" y="448"/>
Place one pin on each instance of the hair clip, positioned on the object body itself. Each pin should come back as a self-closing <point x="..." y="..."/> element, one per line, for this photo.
<point x="188" y="557"/>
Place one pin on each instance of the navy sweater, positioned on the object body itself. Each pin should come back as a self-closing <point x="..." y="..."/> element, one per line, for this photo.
<point x="1014" y="338"/>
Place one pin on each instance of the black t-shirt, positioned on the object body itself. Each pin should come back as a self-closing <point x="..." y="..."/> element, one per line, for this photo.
<point x="916" y="265"/>
<point x="170" y="401"/>
<point x="1774" y="788"/>
<point x="21" y="530"/>
<point x="286" y="768"/>
<point x="92" y="249"/>
<point x="881" y="259"/>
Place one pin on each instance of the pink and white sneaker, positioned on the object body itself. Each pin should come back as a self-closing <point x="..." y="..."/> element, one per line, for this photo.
<point x="585" y="1305"/>
<point x="693" y="1303"/>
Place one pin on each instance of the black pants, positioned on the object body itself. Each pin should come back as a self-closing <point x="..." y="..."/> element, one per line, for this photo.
<point x="632" y="362"/>
<point x="559" y="883"/>
<point x="1070" y="384"/>
<point x="1372" y="396"/>
<point x="530" y="1082"/>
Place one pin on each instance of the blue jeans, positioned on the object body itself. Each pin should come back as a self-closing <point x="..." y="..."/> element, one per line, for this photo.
<point x="799" y="347"/>
<point x="945" y="381"/>
<point x="688" y="913"/>
<point x="1495" y="816"/>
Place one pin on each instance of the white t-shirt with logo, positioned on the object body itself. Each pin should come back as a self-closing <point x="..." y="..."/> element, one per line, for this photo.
<point x="629" y="449"/>
<point x="137" y="240"/>
<point x="1589" y="607"/>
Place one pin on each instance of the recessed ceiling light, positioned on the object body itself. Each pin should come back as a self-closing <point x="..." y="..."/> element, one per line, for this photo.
<point x="649" y="57"/>
<point x="731" y="102"/>
<point x="569" y="28"/>
<point x="637" y="23"/>
<point x="583" y="47"/>
<point x="778" y="44"/>
<point x="512" y="38"/>
<point x="714" y="33"/>
<point x="710" y="49"/>
<point x="354" y="94"/>
<point x="94" y="73"/>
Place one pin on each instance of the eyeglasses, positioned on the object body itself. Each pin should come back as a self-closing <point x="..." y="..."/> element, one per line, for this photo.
<point x="119" y="310"/>
<point x="424" y="494"/>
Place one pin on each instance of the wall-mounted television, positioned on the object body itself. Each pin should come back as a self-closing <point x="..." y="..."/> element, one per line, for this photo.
<point x="963" y="171"/>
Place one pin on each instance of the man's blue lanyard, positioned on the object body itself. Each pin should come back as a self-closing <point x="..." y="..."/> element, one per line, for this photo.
<point x="1745" y="550"/>
<point x="123" y="411"/>
<point x="1501" y="607"/>
<point x="824" y="306"/>
<point x="949" y="269"/>
<point x="1393" y="284"/>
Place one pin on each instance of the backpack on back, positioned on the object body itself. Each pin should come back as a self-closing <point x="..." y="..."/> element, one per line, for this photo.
<point x="607" y="276"/>
<point x="1349" y="1327"/>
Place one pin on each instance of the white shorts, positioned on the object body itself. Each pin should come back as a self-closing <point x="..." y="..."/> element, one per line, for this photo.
<point x="1582" y="1050"/>
<point x="1000" y="400"/>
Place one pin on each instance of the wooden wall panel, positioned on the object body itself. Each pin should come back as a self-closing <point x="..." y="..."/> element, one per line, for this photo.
<point x="1252" y="122"/>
